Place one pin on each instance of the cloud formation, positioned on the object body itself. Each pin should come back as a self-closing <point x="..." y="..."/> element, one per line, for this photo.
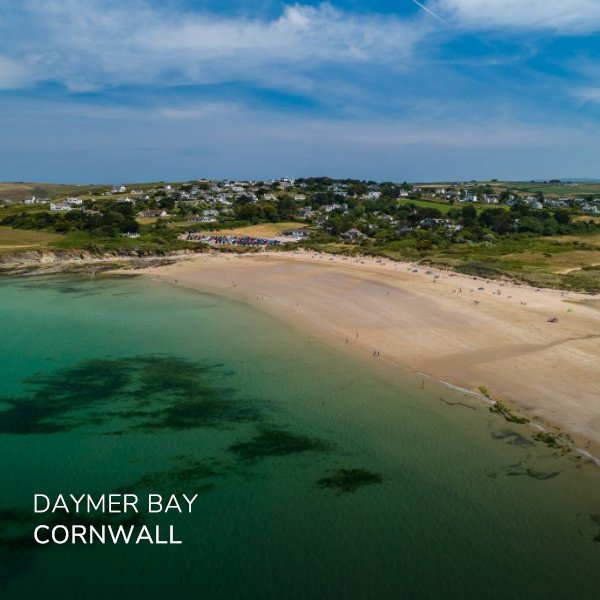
<point x="91" y="44"/>
<point x="125" y="89"/>
<point x="561" y="16"/>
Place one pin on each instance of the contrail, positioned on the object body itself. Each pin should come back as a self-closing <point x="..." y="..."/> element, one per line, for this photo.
<point x="428" y="10"/>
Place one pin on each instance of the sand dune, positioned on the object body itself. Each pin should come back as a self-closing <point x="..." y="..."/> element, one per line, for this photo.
<point x="435" y="322"/>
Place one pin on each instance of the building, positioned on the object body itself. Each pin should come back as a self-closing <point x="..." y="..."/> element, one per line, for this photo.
<point x="152" y="214"/>
<point x="353" y="234"/>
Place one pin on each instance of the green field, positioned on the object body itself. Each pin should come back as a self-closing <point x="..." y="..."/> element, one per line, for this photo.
<point x="441" y="205"/>
<point x="550" y="189"/>
<point x="24" y="239"/>
<point x="20" y="191"/>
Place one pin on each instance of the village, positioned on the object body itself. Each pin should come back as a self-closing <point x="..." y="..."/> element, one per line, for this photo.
<point x="548" y="228"/>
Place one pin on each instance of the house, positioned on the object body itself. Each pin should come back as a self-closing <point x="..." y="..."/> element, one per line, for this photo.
<point x="469" y="197"/>
<point x="299" y="197"/>
<point x="490" y="199"/>
<point x="372" y="195"/>
<point x="556" y="203"/>
<point x="353" y="234"/>
<point x="404" y="231"/>
<point x="285" y="183"/>
<point x="430" y="222"/>
<point x="118" y="189"/>
<point x="295" y="234"/>
<point x="74" y="201"/>
<point x="335" y="206"/>
<point x="63" y="206"/>
<point x="152" y="214"/>
<point x="590" y="209"/>
<point x="306" y="212"/>
<point x="131" y="235"/>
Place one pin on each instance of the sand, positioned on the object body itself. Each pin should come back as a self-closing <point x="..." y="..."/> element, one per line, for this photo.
<point x="434" y="322"/>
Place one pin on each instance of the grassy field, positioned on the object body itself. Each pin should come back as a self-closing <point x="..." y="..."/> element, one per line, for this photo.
<point x="566" y="262"/>
<point x="552" y="189"/>
<point x="570" y="262"/>
<point x="441" y="205"/>
<point x="24" y="239"/>
<point x="20" y="190"/>
<point x="444" y="206"/>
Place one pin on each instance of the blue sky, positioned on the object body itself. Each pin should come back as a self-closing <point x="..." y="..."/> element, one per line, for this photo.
<point x="134" y="90"/>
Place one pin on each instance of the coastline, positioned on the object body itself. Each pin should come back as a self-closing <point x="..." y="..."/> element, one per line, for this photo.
<point x="432" y="322"/>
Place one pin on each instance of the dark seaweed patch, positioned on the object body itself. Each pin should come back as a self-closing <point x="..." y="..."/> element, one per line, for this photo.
<point x="521" y="469"/>
<point x="347" y="481"/>
<point x="273" y="441"/>
<point x="514" y="438"/>
<point x="157" y="392"/>
<point x="189" y="474"/>
<point x="596" y="519"/>
<point x="464" y="404"/>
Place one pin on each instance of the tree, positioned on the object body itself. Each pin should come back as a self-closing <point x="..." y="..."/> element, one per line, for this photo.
<point x="468" y="215"/>
<point x="562" y="216"/>
<point x="531" y="224"/>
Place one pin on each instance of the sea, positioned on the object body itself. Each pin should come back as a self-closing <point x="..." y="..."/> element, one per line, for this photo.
<point x="318" y="475"/>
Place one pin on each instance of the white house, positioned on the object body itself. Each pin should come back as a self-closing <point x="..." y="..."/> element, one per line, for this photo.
<point x="372" y="195"/>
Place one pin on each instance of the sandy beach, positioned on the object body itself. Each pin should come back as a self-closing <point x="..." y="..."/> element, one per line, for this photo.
<point x="466" y="331"/>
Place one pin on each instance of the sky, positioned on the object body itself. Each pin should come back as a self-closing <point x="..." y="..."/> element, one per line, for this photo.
<point x="110" y="91"/>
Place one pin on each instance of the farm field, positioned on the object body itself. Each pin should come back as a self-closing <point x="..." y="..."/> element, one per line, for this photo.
<point x="22" y="239"/>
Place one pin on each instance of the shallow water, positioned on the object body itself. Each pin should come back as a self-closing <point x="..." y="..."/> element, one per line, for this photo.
<point x="318" y="476"/>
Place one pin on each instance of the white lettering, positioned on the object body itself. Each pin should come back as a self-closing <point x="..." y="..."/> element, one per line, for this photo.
<point x="36" y="505"/>
<point x="56" y="539"/>
<point x="190" y="501"/>
<point x="144" y="535"/>
<point x="152" y="503"/>
<point x="172" y="504"/>
<point x="35" y="534"/>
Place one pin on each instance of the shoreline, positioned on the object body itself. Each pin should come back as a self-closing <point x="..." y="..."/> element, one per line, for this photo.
<point x="453" y="331"/>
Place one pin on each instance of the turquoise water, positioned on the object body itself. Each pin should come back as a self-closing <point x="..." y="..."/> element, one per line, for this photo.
<point x="318" y="477"/>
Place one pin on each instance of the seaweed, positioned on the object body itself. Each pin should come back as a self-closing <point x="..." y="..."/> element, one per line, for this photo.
<point x="274" y="441"/>
<point x="464" y="404"/>
<point x="347" y="481"/>
<point x="159" y="392"/>
<point x="189" y="472"/>
<point x="550" y="439"/>
<point x="516" y="439"/>
<point x="500" y="409"/>
<point x="521" y="469"/>
<point x="596" y="519"/>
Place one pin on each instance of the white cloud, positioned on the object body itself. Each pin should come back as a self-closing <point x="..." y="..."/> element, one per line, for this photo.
<point x="89" y="44"/>
<point x="13" y="74"/>
<point x="561" y="16"/>
<point x="591" y="94"/>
